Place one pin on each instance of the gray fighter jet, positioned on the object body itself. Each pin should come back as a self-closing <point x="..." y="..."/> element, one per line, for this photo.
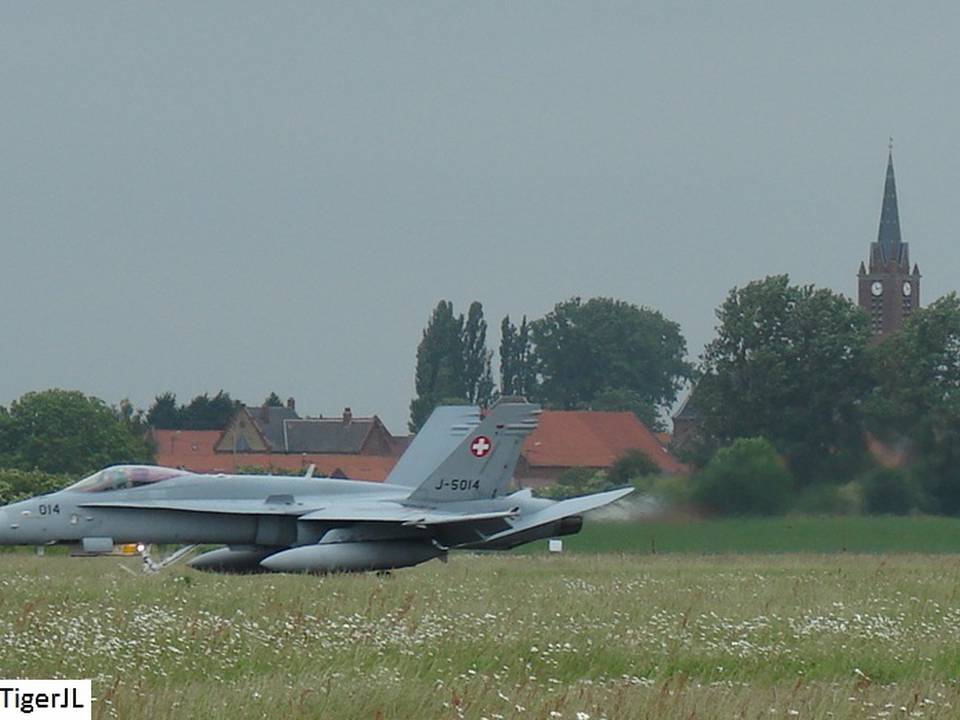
<point x="446" y="492"/>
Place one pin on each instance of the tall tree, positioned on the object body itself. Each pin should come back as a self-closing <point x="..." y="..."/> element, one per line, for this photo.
<point x="164" y="413"/>
<point x="788" y="364"/>
<point x="583" y="348"/>
<point x="517" y="375"/>
<point x="133" y="418"/>
<point x="61" y="431"/>
<point x="439" y="374"/>
<point x="477" y="374"/>
<point x="7" y="458"/>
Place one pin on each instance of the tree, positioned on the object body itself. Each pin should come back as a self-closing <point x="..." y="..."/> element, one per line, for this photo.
<point x="888" y="491"/>
<point x="273" y="400"/>
<point x="477" y="375"/>
<point x="164" y="413"/>
<point x="584" y="348"/>
<point x="937" y="468"/>
<point x="746" y="478"/>
<point x="62" y="431"/>
<point x="915" y="403"/>
<point x="134" y="418"/>
<point x="208" y="413"/>
<point x="439" y="373"/>
<point x="789" y="364"/>
<point x="916" y="370"/>
<point x="6" y="438"/>
<point x="629" y="401"/>
<point x="517" y="375"/>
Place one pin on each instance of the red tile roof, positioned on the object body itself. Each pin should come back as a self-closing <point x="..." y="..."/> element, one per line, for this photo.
<point x="562" y="439"/>
<point x="193" y="449"/>
<point x="592" y="439"/>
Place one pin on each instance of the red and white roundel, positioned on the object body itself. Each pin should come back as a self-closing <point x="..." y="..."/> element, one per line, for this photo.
<point x="481" y="446"/>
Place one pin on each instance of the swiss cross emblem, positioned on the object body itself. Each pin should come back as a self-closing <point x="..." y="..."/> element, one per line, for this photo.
<point x="481" y="446"/>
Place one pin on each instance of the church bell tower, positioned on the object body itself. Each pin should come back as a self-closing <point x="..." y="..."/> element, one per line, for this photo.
<point x="888" y="290"/>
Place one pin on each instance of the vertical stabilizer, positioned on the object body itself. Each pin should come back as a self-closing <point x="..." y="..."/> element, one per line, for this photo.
<point x="441" y="433"/>
<point x="483" y="463"/>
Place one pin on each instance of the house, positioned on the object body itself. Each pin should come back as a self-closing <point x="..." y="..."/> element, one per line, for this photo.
<point x="269" y="429"/>
<point x="196" y="450"/>
<point x="568" y="439"/>
<point x="277" y="438"/>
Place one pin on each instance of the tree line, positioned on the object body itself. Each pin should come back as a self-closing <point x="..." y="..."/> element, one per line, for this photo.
<point x="835" y="416"/>
<point x="799" y="405"/>
<point x="51" y="438"/>
<point x="600" y="354"/>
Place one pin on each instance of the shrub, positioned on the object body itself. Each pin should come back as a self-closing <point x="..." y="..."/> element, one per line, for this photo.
<point x="889" y="491"/>
<point x="18" y="485"/>
<point x="631" y="465"/>
<point x="745" y="478"/>
<point x="575" y="481"/>
<point x="852" y="495"/>
<point x="668" y="490"/>
<point x="825" y="499"/>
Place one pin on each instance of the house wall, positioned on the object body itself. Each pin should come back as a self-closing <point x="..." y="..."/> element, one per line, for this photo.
<point x="241" y="427"/>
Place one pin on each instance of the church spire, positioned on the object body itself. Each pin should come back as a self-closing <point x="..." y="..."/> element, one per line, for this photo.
<point x="889" y="234"/>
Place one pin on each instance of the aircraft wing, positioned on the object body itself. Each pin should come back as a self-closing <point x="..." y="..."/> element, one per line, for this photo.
<point x="286" y="505"/>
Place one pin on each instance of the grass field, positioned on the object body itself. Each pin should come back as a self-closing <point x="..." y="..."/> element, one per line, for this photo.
<point x="504" y="636"/>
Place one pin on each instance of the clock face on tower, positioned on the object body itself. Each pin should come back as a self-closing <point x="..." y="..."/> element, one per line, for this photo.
<point x="877" y="288"/>
<point x="907" y="289"/>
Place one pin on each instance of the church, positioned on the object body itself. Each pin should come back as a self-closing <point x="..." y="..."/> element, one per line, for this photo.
<point x="888" y="290"/>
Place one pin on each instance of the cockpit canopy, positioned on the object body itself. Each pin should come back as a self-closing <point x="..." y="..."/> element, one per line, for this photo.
<point x="120" y="477"/>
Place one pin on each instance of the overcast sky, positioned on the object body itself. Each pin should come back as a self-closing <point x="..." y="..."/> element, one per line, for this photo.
<point x="274" y="196"/>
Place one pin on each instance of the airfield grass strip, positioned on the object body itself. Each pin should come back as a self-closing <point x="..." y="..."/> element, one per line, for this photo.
<point x="666" y="636"/>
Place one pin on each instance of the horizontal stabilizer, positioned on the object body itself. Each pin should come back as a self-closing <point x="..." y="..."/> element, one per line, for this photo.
<point x="562" y="509"/>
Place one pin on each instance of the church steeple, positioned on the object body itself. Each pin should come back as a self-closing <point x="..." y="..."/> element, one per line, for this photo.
<point x="889" y="233"/>
<point x="888" y="291"/>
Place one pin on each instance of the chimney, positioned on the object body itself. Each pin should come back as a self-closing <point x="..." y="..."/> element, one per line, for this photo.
<point x="347" y="416"/>
<point x="291" y="404"/>
<point x="264" y="413"/>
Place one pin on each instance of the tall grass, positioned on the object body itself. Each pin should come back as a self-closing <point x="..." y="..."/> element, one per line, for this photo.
<point x="499" y="637"/>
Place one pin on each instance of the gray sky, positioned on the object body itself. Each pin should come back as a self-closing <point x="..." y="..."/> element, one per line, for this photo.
<point x="274" y="196"/>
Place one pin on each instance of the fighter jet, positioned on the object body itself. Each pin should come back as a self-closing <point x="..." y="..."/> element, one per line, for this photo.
<point x="447" y="491"/>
